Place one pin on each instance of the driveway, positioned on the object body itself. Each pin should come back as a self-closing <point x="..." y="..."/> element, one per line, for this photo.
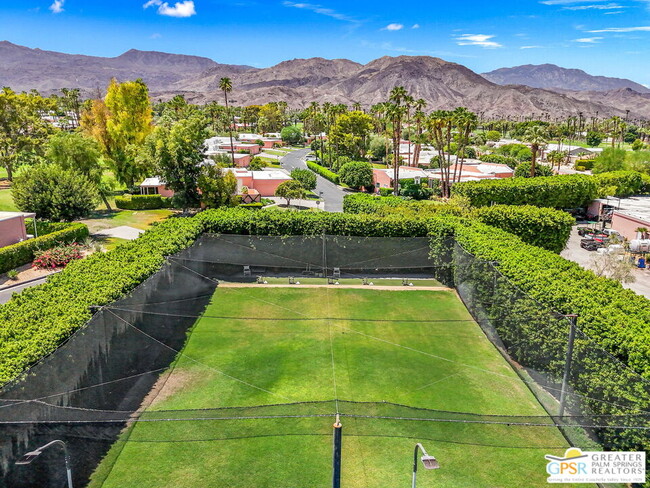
<point x="573" y="252"/>
<point x="331" y="194"/>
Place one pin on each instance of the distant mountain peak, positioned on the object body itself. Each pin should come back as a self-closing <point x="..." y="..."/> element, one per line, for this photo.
<point x="553" y="77"/>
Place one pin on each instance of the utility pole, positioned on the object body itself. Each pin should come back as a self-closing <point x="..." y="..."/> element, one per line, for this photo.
<point x="336" y="454"/>
<point x="573" y="318"/>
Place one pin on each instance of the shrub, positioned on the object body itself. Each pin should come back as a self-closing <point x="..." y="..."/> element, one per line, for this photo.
<point x="356" y="174"/>
<point x="585" y="164"/>
<point x="567" y="191"/>
<point x="142" y="202"/>
<point x="386" y="192"/>
<point x="523" y="170"/>
<point x="324" y="172"/>
<point x="594" y="138"/>
<point x="35" y="322"/>
<point x="24" y="252"/>
<point x="57" y="257"/>
<point x="53" y="193"/>
<point x="620" y="183"/>
<point x="12" y="274"/>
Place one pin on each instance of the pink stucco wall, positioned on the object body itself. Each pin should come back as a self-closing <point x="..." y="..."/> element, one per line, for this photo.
<point x="379" y="177"/>
<point x="267" y="187"/>
<point x="626" y="225"/>
<point x="12" y="231"/>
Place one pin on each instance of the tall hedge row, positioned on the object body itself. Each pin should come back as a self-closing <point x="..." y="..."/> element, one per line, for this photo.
<point x="36" y="321"/>
<point x="23" y="252"/>
<point x="544" y="227"/>
<point x="568" y="191"/>
<point x="620" y="183"/>
<point x="142" y="202"/>
<point x="324" y="172"/>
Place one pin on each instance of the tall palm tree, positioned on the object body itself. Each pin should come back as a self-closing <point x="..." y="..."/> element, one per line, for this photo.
<point x="465" y="122"/>
<point x="225" y="85"/>
<point x="536" y="136"/>
<point x="395" y="114"/>
<point x="440" y="125"/>
<point x="409" y="101"/>
<point x="419" y="118"/>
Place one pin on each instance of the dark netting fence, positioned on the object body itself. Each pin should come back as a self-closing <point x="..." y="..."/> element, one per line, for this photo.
<point x="96" y="391"/>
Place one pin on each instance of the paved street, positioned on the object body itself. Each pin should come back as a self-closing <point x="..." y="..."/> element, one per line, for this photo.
<point x="5" y="295"/>
<point x="332" y="194"/>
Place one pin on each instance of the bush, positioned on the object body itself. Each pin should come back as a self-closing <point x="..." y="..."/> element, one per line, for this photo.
<point x="35" y="322"/>
<point x="291" y="135"/>
<point x="594" y="138"/>
<point x="356" y="174"/>
<point x="585" y="164"/>
<point x="57" y="257"/>
<point x="568" y="191"/>
<point x="306" y="178"/>
<point x="386" y="192"/>
<point x="543" y="227"/>
<point x="619" y="183"/>
<point x="523" y="170"/>
<point x="22" y="253"/>
<point x="53" y="193"/>
<point x="324" y="172"/>
<point x="142" y="202"/>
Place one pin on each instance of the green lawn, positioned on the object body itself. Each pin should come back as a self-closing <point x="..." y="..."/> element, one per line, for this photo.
<point x="140" y="219"/>
<point x="7" y="202"/>
<point x="262" y="346"/>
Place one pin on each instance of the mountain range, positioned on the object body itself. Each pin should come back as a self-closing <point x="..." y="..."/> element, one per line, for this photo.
<point x="444" y="85"/>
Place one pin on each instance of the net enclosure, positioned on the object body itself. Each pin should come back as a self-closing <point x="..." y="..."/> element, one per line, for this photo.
<point x="103" y="392"/>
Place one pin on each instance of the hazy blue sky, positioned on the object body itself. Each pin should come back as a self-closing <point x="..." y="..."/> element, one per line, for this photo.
<point x="604" y="37"/>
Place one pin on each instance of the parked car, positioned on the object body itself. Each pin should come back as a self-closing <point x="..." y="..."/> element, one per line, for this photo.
<point x="591" y="244"/>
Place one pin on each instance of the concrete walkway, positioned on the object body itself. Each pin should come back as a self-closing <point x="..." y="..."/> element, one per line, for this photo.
<point x="122" y="232"/>
<point x="331" y="193"/>
<point x="5" y="294"/>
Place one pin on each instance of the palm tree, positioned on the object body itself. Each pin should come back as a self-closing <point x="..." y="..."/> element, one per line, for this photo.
<point x="395" y="113"/>
<point x="536" y="136"/>
<point x="419" y="118"/>
<point x="440" y="126"/>
<point x="225" y="85"/>
<point x="466" y="122"/>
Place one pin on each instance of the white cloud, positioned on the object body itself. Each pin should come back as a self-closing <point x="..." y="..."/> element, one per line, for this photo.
<point x="645" y="28"/>
<point x="565" y="2"/>
<point x="57" y="6"/>
<point x="321" y="10"/>
<point x="155" y="35"/>
<point x="531" y="47"/>
<point x="589" y="40"/>
<point x="608" y="6"/>
<point x="393" y="27"/>
<point x="482" y="40"/>
<point x="415" y="26"/>
<point x="180" y="9"/>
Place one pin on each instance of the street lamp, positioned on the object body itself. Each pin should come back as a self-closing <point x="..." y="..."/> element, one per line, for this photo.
<point x="429" y="462"/>
<point x="28" y="457"/>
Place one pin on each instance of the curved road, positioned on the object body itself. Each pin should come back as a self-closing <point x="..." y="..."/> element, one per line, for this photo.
<point x="331" y="194"/>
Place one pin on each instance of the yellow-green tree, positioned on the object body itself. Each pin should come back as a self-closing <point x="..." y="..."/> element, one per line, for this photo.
<point x="350" y="134"/>
<point x="120" y="124"/>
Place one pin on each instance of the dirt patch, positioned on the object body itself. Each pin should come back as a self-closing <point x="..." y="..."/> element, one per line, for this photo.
<point x="356" y="287"/>
<point x="25" y="273"/>
<point x="168" y="385"/>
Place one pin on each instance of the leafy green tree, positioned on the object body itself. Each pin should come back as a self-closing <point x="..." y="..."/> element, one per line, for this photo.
<point x="306" y="178"/>
<point x="637" y="145"/>
<point x="120" y="124"/>
<point x="290" y="190"/>
<point x="356" y="174"/>
<point x="594" y="138"/>
<point x="177" y="152"/>
<point x="54" y="193"/>
<point x="218" y="187"/>
<point x="493" y="135"/>
<point x="611" y="159"/>
<point x="291" y="135"/>
<point x="350" y="133"/>
<point x="257" y="164"/>
<point x="22" y="128"/>
<point x="74" y="151"/>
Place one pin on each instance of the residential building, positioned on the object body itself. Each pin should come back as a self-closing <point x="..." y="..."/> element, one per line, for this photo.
<point x="12" y="227"/>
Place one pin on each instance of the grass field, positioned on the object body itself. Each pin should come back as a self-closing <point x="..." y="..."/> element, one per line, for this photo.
<point x="261" y="346"/>
<point x="6" y="201"/>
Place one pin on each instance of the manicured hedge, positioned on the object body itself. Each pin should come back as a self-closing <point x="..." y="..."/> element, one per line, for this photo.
<point x="568" y="191"/>
<point x="35" y="322"/>
<point x="324" y="172"/>
<point x="620" y="183"/>
<point x="23" y="252"/>
<point x="278" y="223"/>
<point x="142" y="202"/>
<point x="543" y="227"/>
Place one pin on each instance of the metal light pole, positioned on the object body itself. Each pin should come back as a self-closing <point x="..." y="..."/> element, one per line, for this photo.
<point x="28" y="457"/>
<point x="429" y="462"/>
<point x="336" y="453"/>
